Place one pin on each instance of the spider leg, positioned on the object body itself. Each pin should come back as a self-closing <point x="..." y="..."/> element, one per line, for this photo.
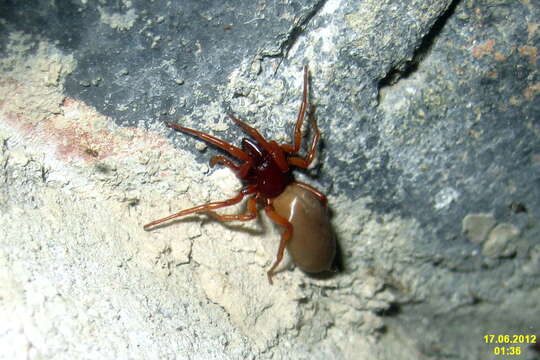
<point x="249" y="215"/>
<point x="231" y="149"/>
<point x="205" y="207"/>
<point x="285" y="237"/>
<point x="295" y="147"/>
<point x="310" y="156"/>
<point x="250" y="130"/>
<point x="241" y="171"/>
<point x="272" y="147"/>
<point x="319" y="195"/>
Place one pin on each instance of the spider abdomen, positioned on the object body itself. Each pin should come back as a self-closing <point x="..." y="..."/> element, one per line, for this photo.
<point x="312" y="245"/>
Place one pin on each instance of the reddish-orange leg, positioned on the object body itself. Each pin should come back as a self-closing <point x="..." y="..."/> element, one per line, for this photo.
<point x="250" y="215"/>
<point x="310" y="156"/>
<point x="231" y="149"/>
<point x="285" y="237"/>
<point x="319" y="195"/>
<point x="213" y="206"/>
<point x="240" y="171"/>
<point x="251" y="131"/>
<point x="270" y="146"/>
<point x="299" y="162"/>
<point x="297" y="140"/>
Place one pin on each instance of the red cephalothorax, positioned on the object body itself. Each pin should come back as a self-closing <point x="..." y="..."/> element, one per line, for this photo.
<point x="265" y="168"/>
<point x="265" y="172"/>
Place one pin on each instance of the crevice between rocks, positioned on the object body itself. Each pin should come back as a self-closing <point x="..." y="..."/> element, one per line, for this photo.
<point x="405" y="69"/>
<point x="294" y="33"/>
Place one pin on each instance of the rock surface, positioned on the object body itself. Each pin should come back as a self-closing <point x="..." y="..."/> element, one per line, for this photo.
<point x="430" y="120"/>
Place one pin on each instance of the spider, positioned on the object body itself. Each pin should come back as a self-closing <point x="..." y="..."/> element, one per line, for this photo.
<point x="265" y="167"/>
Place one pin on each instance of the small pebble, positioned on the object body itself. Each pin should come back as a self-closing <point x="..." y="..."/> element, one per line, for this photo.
<point x="477" y="227"/>
<point x="501" y="241"/>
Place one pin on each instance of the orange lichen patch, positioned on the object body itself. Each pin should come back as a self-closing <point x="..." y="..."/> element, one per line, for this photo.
<point x="530" y="91"/>
<point x="499" y="57"/>
<point x="530" y="51"/>
<point x="483" y="49"/>
<point x="72" y="130"/>
<point x="34" y="107"/>
<point x="80" y="131"/>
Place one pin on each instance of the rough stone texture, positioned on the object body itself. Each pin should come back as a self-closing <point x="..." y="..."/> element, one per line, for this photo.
<point x="477" y="227"/>
<point x="430" y="115"/>
<point x="502" y="241"/>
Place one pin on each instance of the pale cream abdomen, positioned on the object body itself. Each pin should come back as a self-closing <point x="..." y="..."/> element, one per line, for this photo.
<point x="312" y="245"/>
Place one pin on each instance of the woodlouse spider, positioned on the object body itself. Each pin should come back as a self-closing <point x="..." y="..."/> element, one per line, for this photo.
<point x="265" y="168"/>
